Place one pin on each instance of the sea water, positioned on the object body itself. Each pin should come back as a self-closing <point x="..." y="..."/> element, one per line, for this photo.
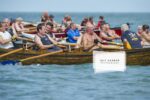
<point x="75" y="82"/>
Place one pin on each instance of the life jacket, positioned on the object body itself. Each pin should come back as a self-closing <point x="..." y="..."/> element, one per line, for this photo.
<point x="127" y="45"/>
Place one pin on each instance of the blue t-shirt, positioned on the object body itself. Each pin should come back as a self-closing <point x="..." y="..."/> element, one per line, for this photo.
<point x="132" y="38"/>
<point x="71" y="34"/>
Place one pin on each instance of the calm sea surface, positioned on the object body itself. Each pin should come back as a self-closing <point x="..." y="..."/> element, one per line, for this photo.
<point x="76" y="82"/>
<point x="115" y="19"/>
<point x="73" y="82"/>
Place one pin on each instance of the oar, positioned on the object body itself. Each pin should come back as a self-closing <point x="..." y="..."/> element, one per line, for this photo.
<point x="71" y="44"/>
<point x="26" y="39"/>
<point x="11" y="52"/>
<point x="111" y="47"/>
<point x="116" y="47"/>
<point x="39" y="56"/>
<point x="30" y="58"/>
<point x="106" y="42"/>
<point x="103" y="46"/>
<point x="14" y="51"/>
<point x="112" y="43"/>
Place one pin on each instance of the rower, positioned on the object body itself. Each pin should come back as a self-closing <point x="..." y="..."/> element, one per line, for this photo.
<point x="84" y="21"/>
<point x="20" y="29"/>
<point x="100" y="22"/>
<point x="44" y="17"/>
<point x="139" y="30"/>
<point x="130" y="39"/>
<point x="91" y="41"/>
<point x="107" y="34"/>
<point x="67" y="21"/>
<point x="73" y="35"/>
<point x="88" y="39"/>
<point x="8" y="27"/>
<point x="112" y="33"/>
<point x="49" y="30"/>
<point x="145" y="36"/>
<point x="90" y="22"/>
<point x="5" y="37"/>
<point x="43" y="40"/>
<point x="51" y="19"/>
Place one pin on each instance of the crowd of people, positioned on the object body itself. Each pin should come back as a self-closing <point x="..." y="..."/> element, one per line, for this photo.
<point x="87" y="39"/>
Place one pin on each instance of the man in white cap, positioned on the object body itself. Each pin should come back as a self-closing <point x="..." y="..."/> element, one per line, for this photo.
<point x="19" y="27"/>
<point x="130" y="37"/>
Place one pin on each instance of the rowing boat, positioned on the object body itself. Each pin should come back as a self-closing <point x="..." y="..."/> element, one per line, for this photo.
<point x="134" y="57"/>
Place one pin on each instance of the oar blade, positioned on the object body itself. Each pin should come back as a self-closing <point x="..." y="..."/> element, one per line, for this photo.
<point x="9" y="62"/>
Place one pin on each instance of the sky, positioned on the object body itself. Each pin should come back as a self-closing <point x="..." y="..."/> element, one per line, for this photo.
<point x="75" y="5"/>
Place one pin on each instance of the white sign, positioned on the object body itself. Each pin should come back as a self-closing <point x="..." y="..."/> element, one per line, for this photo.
<point x="104" y="61"/>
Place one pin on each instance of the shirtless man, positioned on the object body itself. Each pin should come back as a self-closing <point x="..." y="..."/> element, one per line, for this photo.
<point x="89" y="38"/>
<point x="19" y="28"/>
<point x="90" y="22"/>
<point x="145" y="36"/>
<point x="44" y="17"/>
<point x="111" y="32"/>
<point x="91" y="41"/>
<point x="107" y="34"/>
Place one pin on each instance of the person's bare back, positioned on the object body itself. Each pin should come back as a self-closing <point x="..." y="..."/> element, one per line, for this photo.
<point x="145" y="37"/>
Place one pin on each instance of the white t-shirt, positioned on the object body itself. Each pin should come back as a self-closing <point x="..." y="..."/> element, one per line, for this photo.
<point x="6" y="35"/>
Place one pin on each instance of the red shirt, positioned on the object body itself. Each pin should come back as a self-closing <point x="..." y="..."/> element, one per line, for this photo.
<point x="99" y="23"/>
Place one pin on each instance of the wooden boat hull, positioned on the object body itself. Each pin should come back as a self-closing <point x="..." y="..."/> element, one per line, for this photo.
<point x="134" y="57"/>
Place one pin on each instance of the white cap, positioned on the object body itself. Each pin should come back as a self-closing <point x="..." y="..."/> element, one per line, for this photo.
<point x="19" y="19"/>
<point x="124" y="27"/>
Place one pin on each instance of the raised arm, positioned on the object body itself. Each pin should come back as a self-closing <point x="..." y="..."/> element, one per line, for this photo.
<point x="52" y="40"/>
<point x="115" y="34"/>
<point x="97" y="37"/>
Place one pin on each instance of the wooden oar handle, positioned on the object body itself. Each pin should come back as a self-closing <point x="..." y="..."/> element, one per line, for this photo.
<point x="71" y="44"/>
<point x="119" y="44"/>
<point x="113" y="43"/>
<point x="11" y="52"/>
<point x="26" y="39"/>
<point x="14" y="51"/>
<point x="61" y="46"/>
<point x="112" y="47"/>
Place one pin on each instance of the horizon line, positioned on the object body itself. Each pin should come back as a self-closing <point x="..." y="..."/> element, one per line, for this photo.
<point x="65" y="12"/>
